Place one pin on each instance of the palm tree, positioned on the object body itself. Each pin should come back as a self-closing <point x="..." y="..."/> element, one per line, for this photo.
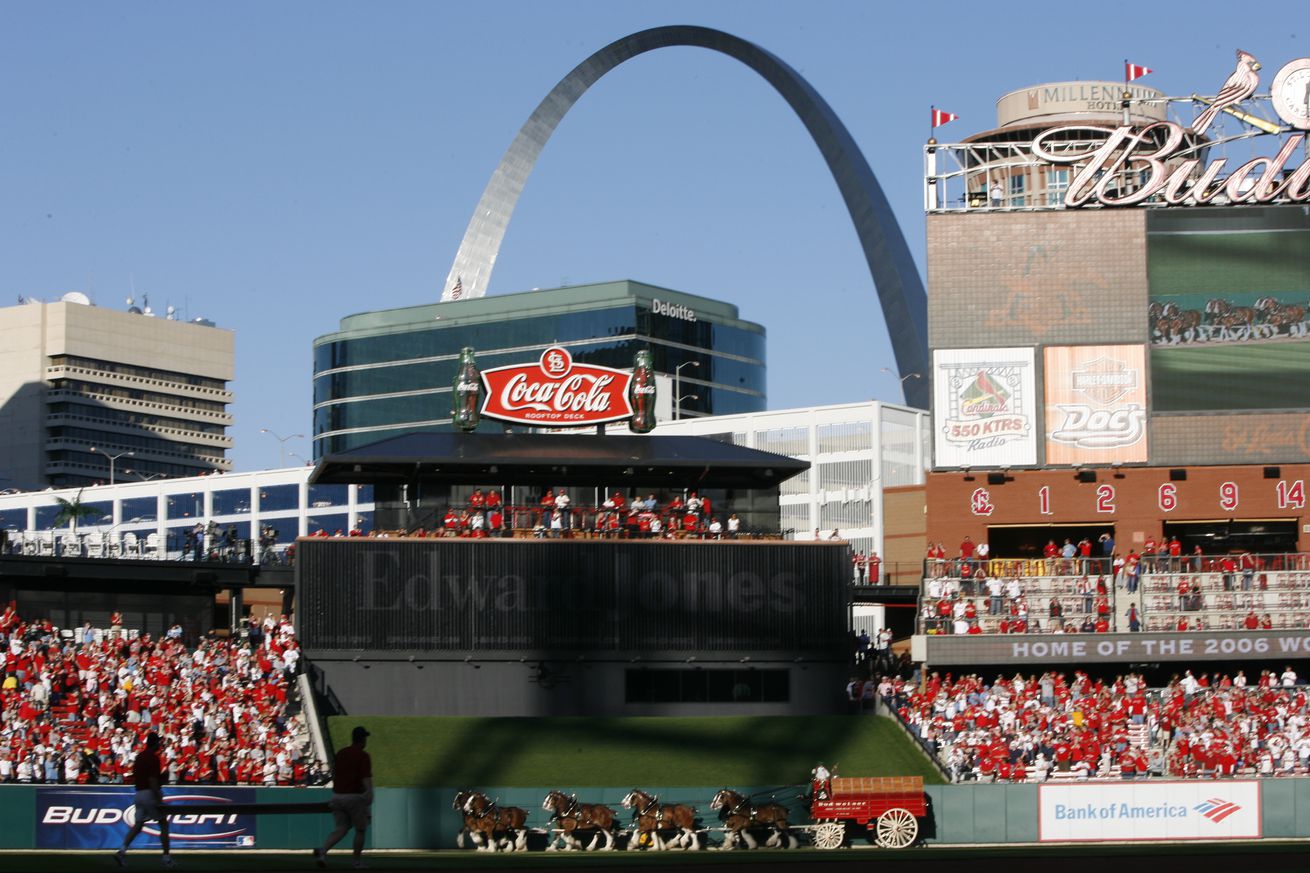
<point x="72" y="511"/>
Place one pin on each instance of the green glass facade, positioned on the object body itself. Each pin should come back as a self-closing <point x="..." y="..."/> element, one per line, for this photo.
<point x="389" y="372"/>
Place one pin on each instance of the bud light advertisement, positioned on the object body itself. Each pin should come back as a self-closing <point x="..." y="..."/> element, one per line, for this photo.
<point x="99" y="818"/>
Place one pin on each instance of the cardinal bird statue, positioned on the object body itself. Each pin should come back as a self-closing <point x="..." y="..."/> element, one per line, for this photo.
<point x="1240" y="85"/>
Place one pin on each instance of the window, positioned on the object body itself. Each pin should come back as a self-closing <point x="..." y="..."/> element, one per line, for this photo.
<point x="1017" y="185"/>
<point x="707" y="686"/>
<point x="851" y="436"/>
<point x="785" y="441"/>
<point x="1057" y="185"/>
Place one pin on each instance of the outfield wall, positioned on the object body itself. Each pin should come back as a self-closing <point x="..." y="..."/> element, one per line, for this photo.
<point x="422" y="818"/>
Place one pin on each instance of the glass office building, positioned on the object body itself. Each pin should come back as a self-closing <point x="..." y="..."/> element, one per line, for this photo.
<point x="389" y="372"/>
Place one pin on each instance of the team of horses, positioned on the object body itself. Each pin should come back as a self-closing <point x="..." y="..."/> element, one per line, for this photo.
<point x="654" y="825"/>
<point x="1222" y="320"/>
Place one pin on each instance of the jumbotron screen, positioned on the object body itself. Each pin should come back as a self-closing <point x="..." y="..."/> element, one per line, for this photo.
<point x="1229" y="308"/>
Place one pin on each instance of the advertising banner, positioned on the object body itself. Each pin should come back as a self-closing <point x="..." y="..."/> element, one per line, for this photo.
<point x="557" y="392"/>
<point x="986" y="407"/>
<point x="96" y="817"/>
<point x="1095" y="404"/>
<point x="1039" y="649"/>
<point x="1093" y="811"/>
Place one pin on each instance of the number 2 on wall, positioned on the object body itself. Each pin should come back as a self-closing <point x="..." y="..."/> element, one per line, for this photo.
<point x="1044" y="499"/>
<point x="1105" y="498"/>
<point x="1228" y="496"/>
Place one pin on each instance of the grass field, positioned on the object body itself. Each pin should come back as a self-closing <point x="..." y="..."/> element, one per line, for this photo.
<point x="584" y="752"/>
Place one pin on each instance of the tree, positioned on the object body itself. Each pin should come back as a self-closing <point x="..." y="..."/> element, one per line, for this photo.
<point x="72" y="511"/>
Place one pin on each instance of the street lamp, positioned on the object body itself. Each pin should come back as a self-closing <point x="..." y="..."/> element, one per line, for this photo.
<point x="677" y="388"/>
<point x="907" y="377"/>
<point x="282" y="448"/>
<point x="112" y="460"/>
<point x="145" y="477"/>
<point x="298" y="458"/>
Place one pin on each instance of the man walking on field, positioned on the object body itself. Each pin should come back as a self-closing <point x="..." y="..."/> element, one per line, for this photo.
<point x="352" y="796"/>
<point x="147" y="774"/>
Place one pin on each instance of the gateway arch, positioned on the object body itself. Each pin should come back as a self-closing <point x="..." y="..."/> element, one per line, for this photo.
<point x="895" y="276"/>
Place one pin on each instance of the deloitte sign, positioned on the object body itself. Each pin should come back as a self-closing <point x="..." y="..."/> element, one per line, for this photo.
<point x="672" y="310"/>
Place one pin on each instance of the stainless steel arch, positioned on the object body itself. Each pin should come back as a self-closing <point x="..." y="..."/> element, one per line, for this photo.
<point x="895" y="276"/>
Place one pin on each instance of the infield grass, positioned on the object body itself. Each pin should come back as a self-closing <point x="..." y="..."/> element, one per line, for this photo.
<point x="411" y="752"/>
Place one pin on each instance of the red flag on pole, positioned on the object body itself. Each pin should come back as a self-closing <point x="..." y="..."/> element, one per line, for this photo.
<point x="1135" y="71"/>
<point x="939" y="117"/>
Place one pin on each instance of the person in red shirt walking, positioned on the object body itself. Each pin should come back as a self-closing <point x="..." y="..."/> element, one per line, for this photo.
<point x="352" y="796"/>
<point x="147" y="775"/>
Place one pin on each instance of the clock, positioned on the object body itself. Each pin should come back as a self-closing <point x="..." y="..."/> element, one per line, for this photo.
<point x="1290" y="93"/>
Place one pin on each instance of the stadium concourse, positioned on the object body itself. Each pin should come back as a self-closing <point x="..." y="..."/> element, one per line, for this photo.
<point x="75" y="705"/>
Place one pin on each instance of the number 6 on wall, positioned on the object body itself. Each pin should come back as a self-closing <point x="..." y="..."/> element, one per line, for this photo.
<point x="1168" y="497"/>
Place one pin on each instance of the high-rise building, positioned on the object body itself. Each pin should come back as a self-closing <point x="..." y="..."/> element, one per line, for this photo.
<point x="390" y="372"/>
<point x="88" y="394"/>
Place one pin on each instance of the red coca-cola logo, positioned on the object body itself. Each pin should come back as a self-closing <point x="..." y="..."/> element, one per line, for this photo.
<point x="556" y="392"/>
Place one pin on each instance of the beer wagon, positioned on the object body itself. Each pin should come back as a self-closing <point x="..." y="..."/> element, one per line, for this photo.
<point x="889" y="806"/>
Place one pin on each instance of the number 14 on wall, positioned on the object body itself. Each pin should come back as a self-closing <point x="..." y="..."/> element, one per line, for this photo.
<point x="1289" y="495"/>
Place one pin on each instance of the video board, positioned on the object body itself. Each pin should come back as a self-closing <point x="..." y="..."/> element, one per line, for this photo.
<point x="1229" y="309"/>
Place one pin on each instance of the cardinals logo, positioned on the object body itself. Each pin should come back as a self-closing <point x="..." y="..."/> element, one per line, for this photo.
<point x="980" y="502"/>
<point x="555" y="362"/>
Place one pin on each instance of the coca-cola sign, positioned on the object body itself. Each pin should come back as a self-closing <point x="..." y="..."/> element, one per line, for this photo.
<point x="556" y="392"/>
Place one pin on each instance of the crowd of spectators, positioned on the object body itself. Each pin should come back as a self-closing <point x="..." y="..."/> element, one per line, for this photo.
<point x="485" y="514"/>
<point x="1078" y="589"/>
<point x="75" y="706"/>
<point x="1050" y="727"/>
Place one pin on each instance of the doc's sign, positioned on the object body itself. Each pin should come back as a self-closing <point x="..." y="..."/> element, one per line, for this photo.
<point x="1200" y="810"/>
<point x="99" y="818"/>
<point x="556" y="392"/>
<point x="1161" y="162"/>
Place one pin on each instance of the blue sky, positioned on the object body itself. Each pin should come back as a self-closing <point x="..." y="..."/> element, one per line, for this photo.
<point x="275" y="166"/>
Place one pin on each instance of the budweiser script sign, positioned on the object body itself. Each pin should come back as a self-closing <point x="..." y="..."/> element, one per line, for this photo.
<point x="556" y="392"/>
<point x="1164" y="160"/>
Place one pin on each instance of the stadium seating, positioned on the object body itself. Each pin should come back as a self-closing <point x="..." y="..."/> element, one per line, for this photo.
<point x="1190" y="595"/>
<point x="1040" y="728"/>
<point x="76" y="704"/>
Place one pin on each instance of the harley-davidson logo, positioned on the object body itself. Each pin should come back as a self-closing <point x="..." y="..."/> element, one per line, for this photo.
<point x="1105" y="380"/>
<point x="556" y="392"/>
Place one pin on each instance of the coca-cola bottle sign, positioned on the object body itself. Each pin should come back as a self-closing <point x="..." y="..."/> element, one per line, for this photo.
<point x="556" y="392"/>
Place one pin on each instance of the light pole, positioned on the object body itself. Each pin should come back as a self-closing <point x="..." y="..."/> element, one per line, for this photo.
<point x="144" y="477"/>
<point x="907" y="377"/>
<point x="677" y="387"/>
<point x="298" y="458"/>
<point x="282" y="440"/>
<point x="112" y="460"/>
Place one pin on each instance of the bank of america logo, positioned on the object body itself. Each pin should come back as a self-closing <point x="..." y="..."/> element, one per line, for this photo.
<point x="1217" y="809"/>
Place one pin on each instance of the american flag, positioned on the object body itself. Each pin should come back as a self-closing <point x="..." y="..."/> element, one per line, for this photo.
<point x="458" y="291"/>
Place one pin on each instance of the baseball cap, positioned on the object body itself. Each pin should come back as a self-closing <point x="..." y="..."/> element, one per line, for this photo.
<point x="358" y="733"/>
